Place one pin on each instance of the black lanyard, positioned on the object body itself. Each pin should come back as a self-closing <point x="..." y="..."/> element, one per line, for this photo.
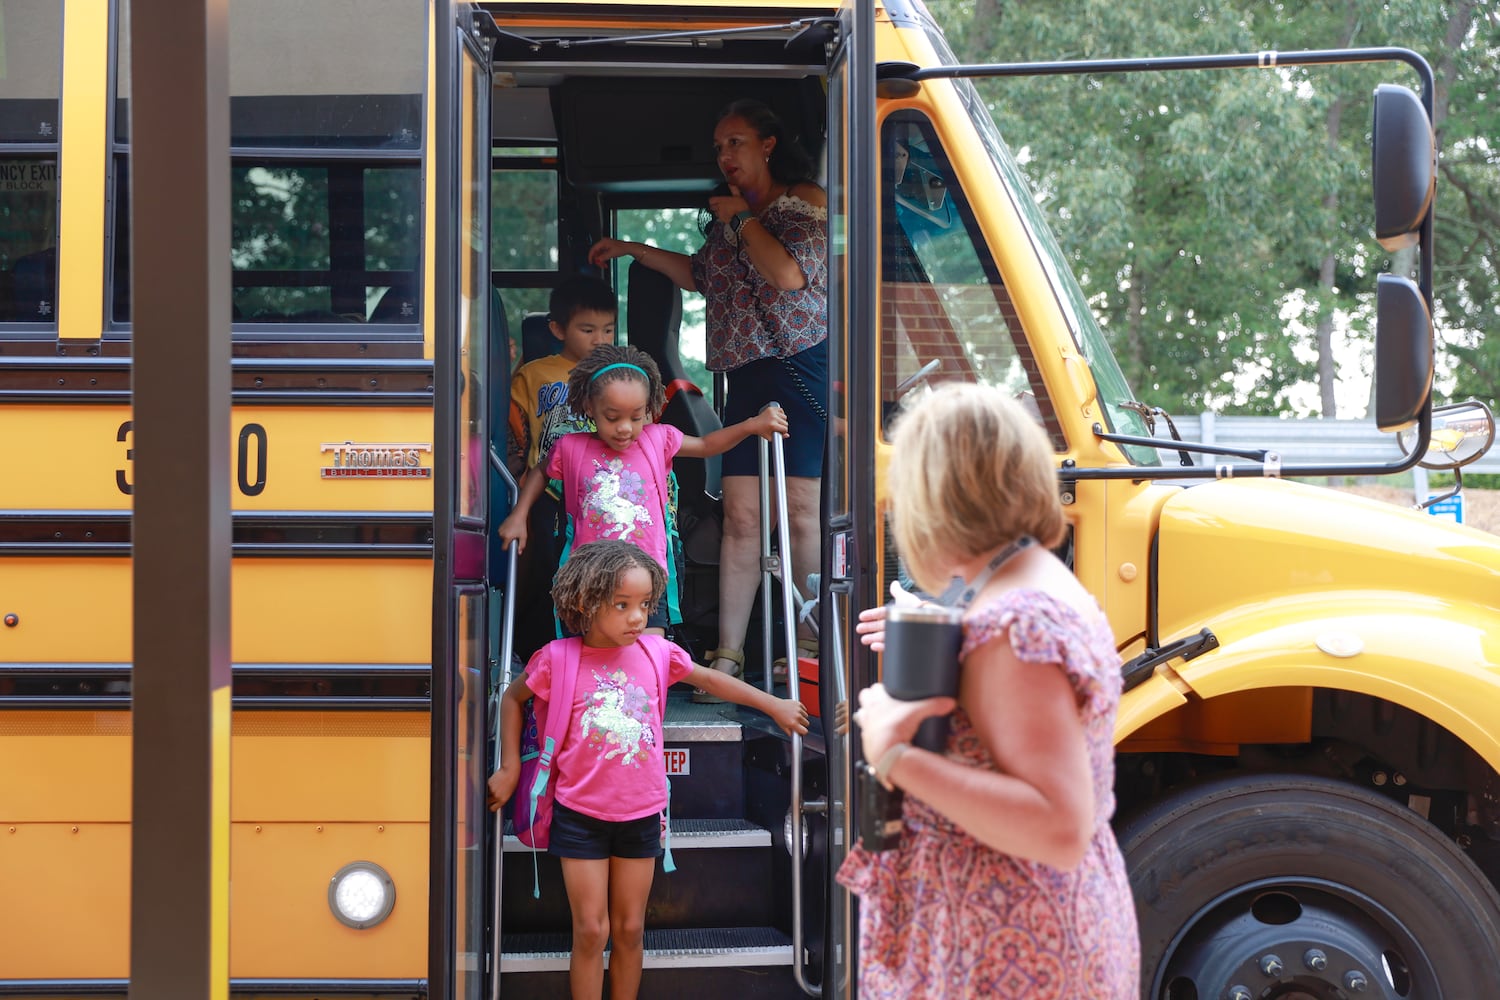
<point x="960" y="592"/>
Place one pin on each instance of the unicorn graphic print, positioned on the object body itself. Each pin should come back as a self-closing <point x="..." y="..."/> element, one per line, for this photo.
<point x="613" y="501"/>
<point x="617" y="721"/>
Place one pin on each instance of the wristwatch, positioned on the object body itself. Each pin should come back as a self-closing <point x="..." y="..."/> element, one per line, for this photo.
<point x="739" y="221"/>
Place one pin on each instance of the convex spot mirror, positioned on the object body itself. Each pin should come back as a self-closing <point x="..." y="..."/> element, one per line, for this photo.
<point x="1461" y="433"/>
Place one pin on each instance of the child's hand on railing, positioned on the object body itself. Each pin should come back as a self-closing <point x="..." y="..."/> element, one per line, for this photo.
<point x="513" y="529"/>
<point x="502" y="785"/>
<point x="771" y="420"/>
<point x="790" y="715"/>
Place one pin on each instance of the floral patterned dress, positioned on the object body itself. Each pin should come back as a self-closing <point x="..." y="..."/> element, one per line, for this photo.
<point x="945" y="916"/>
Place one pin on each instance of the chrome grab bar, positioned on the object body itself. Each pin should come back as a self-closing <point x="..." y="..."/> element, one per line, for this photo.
<point x="838" y="813"/>
<point x="768" y="568"/>
<point x="507" y="650"/>
<point x="781" y="563"/>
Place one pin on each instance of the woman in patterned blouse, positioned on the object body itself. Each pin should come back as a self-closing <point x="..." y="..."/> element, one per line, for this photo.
<point x="763" y="269"/>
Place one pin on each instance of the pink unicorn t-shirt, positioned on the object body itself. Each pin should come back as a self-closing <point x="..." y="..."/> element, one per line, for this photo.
<point x="617" y="494"/>
<point x="610" y="764"/>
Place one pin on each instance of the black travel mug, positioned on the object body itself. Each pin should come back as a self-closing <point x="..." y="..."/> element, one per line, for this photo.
<point x="921" y="661"/>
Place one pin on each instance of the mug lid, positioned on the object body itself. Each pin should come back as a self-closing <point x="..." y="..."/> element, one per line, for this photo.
<point x="937" y="613"/>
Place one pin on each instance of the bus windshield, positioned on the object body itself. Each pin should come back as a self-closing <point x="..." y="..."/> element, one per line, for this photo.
<point x="1113" y="390"/>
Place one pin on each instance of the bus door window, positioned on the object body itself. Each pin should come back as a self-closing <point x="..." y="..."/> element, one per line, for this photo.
<point x="946" y="314"/>
<point x="30" y="91"/>
<point x="524" y="240"/>
<point x="678" y="229"/>
<point x="326" y="174"/>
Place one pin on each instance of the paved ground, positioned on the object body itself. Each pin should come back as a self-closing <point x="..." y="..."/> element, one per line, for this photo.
<point x="1481" y="507"/>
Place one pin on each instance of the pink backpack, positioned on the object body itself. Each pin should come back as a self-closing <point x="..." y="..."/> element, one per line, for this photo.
<point x="542" y="733"/>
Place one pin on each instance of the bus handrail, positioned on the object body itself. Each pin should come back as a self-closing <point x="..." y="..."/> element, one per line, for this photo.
<point x="789" y="617"/>
<point x="507" y="650"/>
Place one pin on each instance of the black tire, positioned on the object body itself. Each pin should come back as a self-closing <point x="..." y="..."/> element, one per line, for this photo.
<point x="1230" y="874"/>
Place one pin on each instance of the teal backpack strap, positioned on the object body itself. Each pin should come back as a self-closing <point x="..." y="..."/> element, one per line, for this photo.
<point x="562" y="560"/>
<point x="538" y="786"/>
<point x="663" y="665"/>
<point x="667" y="864"/>
<point x="673" y="596"/>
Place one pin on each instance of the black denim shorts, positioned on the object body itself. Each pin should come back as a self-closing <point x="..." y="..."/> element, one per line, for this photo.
<point x="575" y="835"/>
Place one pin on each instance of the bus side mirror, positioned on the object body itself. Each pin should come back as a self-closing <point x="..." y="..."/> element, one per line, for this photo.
<point x="1403" y="158"/>
<point x="1403" y="352"/>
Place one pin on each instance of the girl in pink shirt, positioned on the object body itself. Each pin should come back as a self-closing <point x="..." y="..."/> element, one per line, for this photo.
<point x="614" y="478"/>
<point x="609" y="770"/>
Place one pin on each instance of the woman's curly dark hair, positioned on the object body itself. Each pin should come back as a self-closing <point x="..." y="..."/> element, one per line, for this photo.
<point x="588" y="376"/>
<point x="588" y="580"/>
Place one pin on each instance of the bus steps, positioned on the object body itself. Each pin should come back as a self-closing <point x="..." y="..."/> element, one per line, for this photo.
<point x="690" y="834"/>
<point x="666" y="948"/>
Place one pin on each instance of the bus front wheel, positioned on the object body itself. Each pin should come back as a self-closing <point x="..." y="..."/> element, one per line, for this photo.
<point x="1297" y="886"/>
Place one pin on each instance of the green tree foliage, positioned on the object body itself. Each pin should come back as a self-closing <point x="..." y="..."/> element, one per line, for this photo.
<point x="1220" y="220"/>
<point x="287" y="217"/>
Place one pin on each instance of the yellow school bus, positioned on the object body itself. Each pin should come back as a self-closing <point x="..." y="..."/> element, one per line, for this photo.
<point x="332" y="458"/>
<point x="1307" y="748"/>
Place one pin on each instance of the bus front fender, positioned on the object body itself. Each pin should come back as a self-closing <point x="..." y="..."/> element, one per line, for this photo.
<point x="1437" y="659"/>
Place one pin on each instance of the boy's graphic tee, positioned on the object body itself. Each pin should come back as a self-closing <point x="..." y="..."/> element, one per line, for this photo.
<point x="610" y="765"/>
<point x="617" y="494"/>
<point x="539" y="412"/>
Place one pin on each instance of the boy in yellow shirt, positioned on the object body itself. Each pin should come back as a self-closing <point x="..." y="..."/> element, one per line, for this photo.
<point x="581" y="313"/>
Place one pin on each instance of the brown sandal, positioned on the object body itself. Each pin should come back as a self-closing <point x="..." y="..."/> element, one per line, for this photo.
<point x="805" y="647"/>
<point x="734" y="656"/>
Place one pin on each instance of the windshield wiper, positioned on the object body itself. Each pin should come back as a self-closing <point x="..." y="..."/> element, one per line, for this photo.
<point x="1183" y="448"/>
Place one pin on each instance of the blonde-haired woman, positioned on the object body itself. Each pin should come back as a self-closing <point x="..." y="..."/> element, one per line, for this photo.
<point x="1008" y="881"/>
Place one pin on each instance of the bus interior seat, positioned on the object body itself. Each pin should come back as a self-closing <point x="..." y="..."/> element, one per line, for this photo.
<point x="34" y="287"/>
<point x="7" y="297"/>
<point x="536" y="338"/>
<point x="653" y="317"/>
<point x="500" y="371"/>
<point x="399" y="304"/>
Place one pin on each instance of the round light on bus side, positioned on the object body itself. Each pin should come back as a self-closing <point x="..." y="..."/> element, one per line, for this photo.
<point x="361" y="894"/>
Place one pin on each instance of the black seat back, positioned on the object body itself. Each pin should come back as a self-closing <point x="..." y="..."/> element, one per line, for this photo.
<point x="34" y="287"/>
<point x="653" y="316"/>
<point x="536" y="338"/>
<point x="399" y="303"/>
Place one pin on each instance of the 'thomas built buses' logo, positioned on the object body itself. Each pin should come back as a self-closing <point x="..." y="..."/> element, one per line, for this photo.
<point x="376" y="461"/>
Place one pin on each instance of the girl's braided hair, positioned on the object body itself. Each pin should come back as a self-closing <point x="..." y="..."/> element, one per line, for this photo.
<point x="584" y="386"/>
<point x="588" y="580"/>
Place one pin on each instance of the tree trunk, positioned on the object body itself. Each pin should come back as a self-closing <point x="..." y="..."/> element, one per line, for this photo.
<point x="1459" y="23"/>
<point x="984" y="33"/>
<point x="1327" y="270"/>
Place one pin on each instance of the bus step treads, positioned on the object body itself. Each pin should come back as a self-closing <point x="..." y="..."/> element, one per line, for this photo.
<point x="678" y="948"/>
<point x="690" y="722"/>
<point x="695" y="834"/>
